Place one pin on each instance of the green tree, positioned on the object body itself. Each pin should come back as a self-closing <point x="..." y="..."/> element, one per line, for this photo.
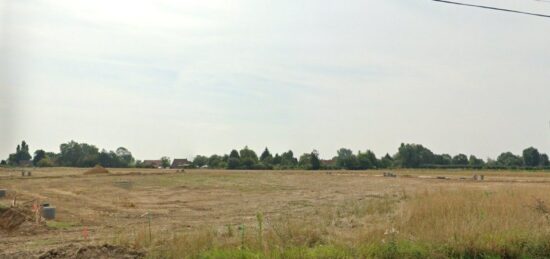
<point x="78" y="155"/>
<point x="315" y="161"/>
<point x="234" y="160"/>
<point x="124" y="156"/>
<point x="200" y="161"/>
<point x="266" y="157"/>
<point x="21" y="154"/>
<point x="413" y="156"/>
<point x="443" y="159"/>
<point x="310" y="161"/>
<point x="544" y="162"/>
<point x="475" y="162"/>
<point x="460" y="160"/>
<point x="53" y="157"/>
<point x="277" y="159"/>
<point x="233" y="163"/>
<point x="386" y="161"/>
<point x="139" y="164"/>
<point x="531" y="157"/>
<point x="346" y="159"/>
<point x="234" y="154"/>
<point x="249" y="159"/>
<point x="121" y="158"/>
<point x="491" y="163"/>
<point x="215" y="161"/>
<point x="288" y="160"/>
<point x="38" y="155"/>
<point x="45" y="162"/>
<point x="367" y="160"/>
<point x="165" y="162"/>
<point x="305" y="161"/>
<point x="107" y="159"/>
<point x="508" y="159"/>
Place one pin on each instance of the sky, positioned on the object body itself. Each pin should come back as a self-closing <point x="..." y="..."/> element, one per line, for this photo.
<point x="182" y="78"/>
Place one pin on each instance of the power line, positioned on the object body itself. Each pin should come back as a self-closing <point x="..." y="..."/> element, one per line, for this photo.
<point x="493" y="8"/>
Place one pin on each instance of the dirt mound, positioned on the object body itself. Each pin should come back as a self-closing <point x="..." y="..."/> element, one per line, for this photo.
<point x="85" y="252"/>
<point x="97" y="170"/>
<point x="11" y="218"/>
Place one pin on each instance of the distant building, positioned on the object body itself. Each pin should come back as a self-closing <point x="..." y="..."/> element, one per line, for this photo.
<point x="25" y="163"/>
<point x="180" y="163"/>
<point x="328" y="163"/>
<point x="152" y="163"/>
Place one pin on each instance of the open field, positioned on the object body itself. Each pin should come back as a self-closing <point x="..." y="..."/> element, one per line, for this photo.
<point x="217" y="214"/>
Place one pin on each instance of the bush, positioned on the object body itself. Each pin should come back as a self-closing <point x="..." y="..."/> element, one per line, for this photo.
<point x="45" y="162"/>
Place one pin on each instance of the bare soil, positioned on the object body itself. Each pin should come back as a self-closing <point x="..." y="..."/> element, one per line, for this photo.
<point x="88" y="252"/>
<point x="103" y="208"/>
<point x="97" y="170"/>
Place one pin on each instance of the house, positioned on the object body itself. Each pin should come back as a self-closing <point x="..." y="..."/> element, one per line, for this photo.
<point x="152" y="163"/>
<point x="25" y="163"/>
<point x="180" y="163"/>
<point x="328" y="163"/>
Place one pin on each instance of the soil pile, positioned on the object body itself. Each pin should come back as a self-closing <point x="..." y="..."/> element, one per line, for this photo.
<point x="89" y="252"/>
<point x="11" y="219"/>
<point x="97" y="170"/>
<point x="20" y="222"/>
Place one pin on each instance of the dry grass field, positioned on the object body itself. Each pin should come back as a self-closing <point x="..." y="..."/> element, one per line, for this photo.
<point x="287" y="214"/>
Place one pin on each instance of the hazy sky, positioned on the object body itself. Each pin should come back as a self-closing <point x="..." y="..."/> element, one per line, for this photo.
<point x="181" y="78"/>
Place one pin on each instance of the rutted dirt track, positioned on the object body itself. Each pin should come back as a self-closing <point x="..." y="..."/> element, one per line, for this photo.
<point x="96" y="209"/>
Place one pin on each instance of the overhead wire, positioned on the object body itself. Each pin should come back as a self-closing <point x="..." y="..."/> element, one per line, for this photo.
<point x="494" y="8"/>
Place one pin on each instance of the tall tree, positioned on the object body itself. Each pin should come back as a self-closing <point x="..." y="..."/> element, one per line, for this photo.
<point x="234" y="160"/>
<point x="544" y="162"/>
<point x="305" y="161"/>
<point x="200" y="161"/>
<point x="165" y="162"/>
<point x="315" y="161"/>
<point x="266" y="157"/>
<point x="38" y="155"/>
<point x="277" y="159"/>
<point x="413" y="156"/>
<point x="107" y="159"/>
<point x="78" y="154"/>
<point x="215" y="161"/>
<point x="21" y="154"/>
<point x="460" y="160"/>
<point x="234" y="154"/>
<point x="288" y="160"/>
<point x="386" y="161"/>
<point x="125" y="157"/>
<point x="443" y="159"/>
<point x="508" y="159"/>
<point x="346" y="159"/>
<point x="475" y="162"/>
<point x="367" y="160"/>
<point x="249" y="159"/>
<point x="531" y="157"/>
<point x="24" y="147"/>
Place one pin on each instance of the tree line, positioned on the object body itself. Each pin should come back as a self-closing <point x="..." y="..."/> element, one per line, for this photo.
<point x="71" y="154"/>
<point x="74" y="154"/>
<point x="407" y="156"/>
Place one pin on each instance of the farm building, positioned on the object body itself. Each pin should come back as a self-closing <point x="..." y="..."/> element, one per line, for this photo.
<point x="180" y="163"/>
<point x="152" y="163"/>
<point x="25" y="163"/>
<point x="331" y="162"/>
